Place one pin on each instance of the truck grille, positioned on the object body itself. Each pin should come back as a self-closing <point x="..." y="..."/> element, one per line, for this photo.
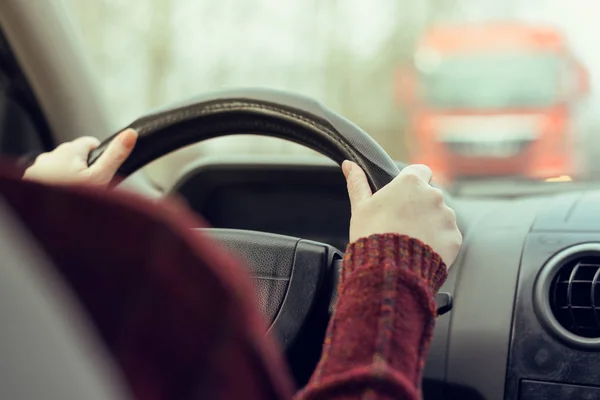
<point x="488" y="149"/>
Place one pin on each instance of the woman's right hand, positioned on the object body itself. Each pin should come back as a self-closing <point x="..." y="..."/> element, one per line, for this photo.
<point x="408" y="205"/>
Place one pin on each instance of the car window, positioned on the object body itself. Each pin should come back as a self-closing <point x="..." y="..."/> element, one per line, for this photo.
<point x="487" y="101"/>
<point x="23" y="129"/>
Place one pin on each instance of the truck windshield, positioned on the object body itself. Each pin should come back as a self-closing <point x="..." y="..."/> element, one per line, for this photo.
<point x="492" y="81"/>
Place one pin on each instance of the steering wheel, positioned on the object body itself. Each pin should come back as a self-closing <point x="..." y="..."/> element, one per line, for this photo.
<point x="293" y="275"/>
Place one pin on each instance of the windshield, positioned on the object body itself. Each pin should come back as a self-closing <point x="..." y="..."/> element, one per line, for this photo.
<point x="478" y="116"/>
<point x="492" y="81"/>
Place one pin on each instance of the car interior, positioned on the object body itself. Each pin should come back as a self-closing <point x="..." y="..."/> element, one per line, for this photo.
<point x="519" y="315"/>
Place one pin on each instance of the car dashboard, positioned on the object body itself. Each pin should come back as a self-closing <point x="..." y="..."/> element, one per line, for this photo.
<point x="525" y="322"/>
<point x="308" y="202"/>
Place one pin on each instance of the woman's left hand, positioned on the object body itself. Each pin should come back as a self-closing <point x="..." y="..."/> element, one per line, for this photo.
<point x="68" y="163"/>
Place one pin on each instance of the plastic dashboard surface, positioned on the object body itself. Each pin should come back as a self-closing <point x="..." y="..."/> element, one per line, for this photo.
<point x="492" y="344"/>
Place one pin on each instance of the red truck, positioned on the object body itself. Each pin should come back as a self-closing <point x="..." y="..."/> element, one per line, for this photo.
<point x="494" y="100"/>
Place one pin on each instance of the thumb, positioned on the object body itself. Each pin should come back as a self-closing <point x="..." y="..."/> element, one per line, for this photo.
<point x="105" y="168"/>
<point x="357" y="183"/>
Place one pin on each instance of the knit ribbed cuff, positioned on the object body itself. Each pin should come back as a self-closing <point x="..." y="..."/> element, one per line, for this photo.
<point x="404" y="251"/>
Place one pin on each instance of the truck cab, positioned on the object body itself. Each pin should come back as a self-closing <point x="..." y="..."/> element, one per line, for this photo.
<point x="494" y="100"/>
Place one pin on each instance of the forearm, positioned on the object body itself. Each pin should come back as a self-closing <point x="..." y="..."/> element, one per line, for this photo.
<point x="378" y="338"/>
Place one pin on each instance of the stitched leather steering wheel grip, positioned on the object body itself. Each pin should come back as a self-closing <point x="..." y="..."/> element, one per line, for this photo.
<point x="256" y="111"/>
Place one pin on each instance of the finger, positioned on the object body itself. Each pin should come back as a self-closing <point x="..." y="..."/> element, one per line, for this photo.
<point x="436" y="195"/>
<point x="357" y="183"/>
<point x="79" y="147"/>
<point x="420" y="171"/>
<point x="105" y="168"/>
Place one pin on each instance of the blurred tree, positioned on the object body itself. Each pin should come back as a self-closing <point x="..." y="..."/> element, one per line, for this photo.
<point x="160" y="46"/>
<point x="370" y="101"/>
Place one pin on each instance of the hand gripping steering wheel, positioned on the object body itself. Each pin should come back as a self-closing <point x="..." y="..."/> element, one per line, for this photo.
<point x="296" y="275"/>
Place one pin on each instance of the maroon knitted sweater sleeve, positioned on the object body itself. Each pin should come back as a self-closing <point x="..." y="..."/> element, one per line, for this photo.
<point x="379" y="335"/>
<point x="178" y="314"/>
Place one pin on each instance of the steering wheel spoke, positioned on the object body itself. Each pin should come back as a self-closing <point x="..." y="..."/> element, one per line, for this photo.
<point x="292" y="275"/>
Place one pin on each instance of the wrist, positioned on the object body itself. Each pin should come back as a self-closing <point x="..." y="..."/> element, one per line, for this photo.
<point x="406" y="252"/>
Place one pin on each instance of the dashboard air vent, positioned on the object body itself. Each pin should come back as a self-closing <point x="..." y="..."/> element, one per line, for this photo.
<point x="575" y="296"/>
<point x="566" y="296"/>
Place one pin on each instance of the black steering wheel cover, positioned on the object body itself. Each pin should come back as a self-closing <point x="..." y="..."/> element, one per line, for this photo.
<point x="256" y="111"/>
